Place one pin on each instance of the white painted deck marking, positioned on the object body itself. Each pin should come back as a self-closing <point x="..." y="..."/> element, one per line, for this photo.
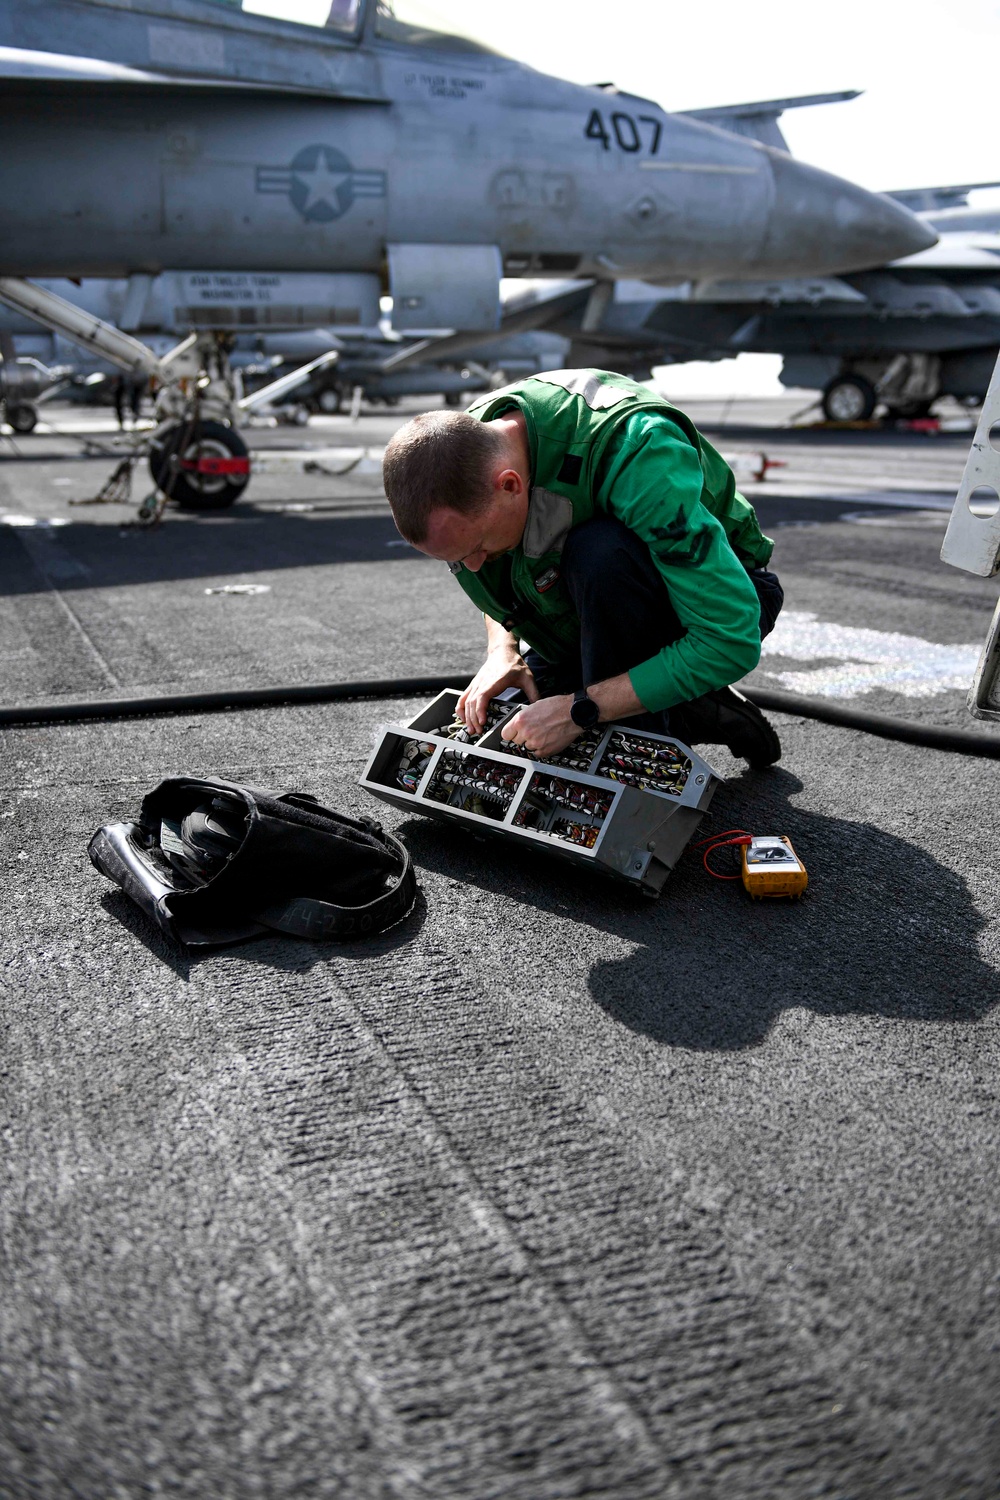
<point x="864" y="659"/>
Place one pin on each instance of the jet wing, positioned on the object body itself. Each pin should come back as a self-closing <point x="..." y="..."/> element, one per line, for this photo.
<point x="958" y="252"/>
<point x="790" y="290"/>
<point x="759" y="122"/>
<point x="893" y="297"/>
<point x="526" y="314"/>
<point x="934" y="199"/>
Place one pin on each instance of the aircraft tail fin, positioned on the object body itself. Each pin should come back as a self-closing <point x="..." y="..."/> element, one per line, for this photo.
<point x="759" y="122"/>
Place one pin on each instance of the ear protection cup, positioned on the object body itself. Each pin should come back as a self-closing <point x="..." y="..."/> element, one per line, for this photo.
<point x="210" y="834"/>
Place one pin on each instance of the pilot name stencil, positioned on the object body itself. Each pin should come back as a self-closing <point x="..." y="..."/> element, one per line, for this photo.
<point x="320" y="183"/>
<point x="443" y="85"/>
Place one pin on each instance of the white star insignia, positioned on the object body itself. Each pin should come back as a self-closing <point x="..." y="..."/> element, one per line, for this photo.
<point x="322" y="184"/>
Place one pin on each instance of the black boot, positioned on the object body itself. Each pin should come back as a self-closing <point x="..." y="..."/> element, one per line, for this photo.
<point x="725" y="717"/>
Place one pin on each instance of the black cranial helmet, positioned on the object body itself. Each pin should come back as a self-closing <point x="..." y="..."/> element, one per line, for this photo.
<point x="211" y="862"/>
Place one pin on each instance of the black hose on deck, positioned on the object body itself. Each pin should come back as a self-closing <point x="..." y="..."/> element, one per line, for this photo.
<point x="218" y="702"/>
<point x="962" y="741"/>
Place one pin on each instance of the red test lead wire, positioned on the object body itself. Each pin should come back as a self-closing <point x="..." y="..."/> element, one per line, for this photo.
<point x="722" y="841"/>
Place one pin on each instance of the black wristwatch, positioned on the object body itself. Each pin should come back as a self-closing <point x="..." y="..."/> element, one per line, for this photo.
<point x="584" y="711"/>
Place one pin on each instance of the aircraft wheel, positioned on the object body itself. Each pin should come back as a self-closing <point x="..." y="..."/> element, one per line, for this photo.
<point x="202" y="476"/>
<point x="328" y="400"/>
<point x="452" y="398"/>
<point x="22" y="416"/>
<point x="849" y="398"/>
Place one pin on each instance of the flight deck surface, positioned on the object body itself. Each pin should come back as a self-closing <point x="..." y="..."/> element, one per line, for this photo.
<point x="549" y="1191"/>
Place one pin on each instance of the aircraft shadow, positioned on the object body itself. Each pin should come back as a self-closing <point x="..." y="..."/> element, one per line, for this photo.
<point x="240" y="541"/>
<point x="886" y="929"/>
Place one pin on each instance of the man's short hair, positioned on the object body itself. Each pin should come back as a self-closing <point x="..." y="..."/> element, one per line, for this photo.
<point x="441" y="458"/>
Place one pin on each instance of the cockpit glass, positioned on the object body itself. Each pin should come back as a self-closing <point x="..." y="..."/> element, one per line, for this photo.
<point x="344" y="15"/>
<point x="419" y="24"/>
<point x="333" y="15"/>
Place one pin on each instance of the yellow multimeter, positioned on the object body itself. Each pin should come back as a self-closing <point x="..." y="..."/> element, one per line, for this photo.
<point x="771" y="867"/>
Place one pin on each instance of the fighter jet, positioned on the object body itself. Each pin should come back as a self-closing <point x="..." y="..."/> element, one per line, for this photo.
<point x="892" y="339"/>
<point x="188" y="136"/>
<point x="184" y="134"/>
<point x="929" y="324"/>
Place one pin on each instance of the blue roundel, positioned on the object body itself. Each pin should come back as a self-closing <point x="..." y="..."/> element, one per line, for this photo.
<point x="322" y="184"/>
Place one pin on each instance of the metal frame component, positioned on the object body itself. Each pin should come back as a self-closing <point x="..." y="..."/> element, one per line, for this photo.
<point x="263" y="400"/>
<point x="984" y="695"/>
<point x="90" y="332"/>
<point x="972" y="541"/>
<point x="642" y="832"/>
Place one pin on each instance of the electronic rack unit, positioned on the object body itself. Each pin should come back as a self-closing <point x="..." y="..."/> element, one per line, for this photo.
<point x="619" y="800"/>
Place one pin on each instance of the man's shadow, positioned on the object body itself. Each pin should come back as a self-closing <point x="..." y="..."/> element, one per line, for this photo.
<point x="885" y="928"/>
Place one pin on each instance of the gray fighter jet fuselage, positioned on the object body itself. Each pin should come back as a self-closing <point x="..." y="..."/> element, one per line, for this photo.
<point x="178" y="134"/>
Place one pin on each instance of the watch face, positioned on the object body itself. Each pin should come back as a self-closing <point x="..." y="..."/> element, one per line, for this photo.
<point x="584" y="713"/>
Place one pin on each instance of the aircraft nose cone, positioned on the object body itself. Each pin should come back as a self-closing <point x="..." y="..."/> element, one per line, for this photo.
<point x="820" y="223"/>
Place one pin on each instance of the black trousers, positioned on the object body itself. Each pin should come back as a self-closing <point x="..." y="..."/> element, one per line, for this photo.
<point x="625" y="611"/>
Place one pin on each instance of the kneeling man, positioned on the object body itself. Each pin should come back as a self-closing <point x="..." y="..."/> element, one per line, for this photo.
<point x="588" y="518"/>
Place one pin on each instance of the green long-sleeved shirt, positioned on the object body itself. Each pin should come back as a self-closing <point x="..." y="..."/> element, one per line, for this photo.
<point x="660" y="478"/>
<point x="652" y="481"/>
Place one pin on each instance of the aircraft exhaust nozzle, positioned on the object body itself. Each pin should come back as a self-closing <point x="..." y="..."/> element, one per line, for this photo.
<point x="820" y="223"/>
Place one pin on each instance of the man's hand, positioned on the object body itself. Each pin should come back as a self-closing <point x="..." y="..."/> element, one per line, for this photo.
<point x="544" y="727"/>
<point x="504" y="667"/>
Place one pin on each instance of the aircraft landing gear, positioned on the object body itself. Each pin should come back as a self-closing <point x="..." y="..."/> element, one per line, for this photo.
<point x="21" y="415"/>
<point x="203" y="465"/>
<point x="195" y="454"/>
<point x="849" y="398"/>
<point x="329" y="400"/>
<point x="906" y="387"/>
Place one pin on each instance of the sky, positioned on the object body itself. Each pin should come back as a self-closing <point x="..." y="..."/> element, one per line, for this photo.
<point x="926" y="67"/>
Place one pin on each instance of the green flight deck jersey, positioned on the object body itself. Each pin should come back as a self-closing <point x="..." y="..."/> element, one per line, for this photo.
<point x="602" y="444"/>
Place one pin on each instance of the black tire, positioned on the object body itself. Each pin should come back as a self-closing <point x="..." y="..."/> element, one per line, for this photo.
<point x="201" y="439"/>
<point x="328" y="401"/>
<point x="452" y="398"/>
<point x="849" y="398"/>
<point x="22" y="416"/>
